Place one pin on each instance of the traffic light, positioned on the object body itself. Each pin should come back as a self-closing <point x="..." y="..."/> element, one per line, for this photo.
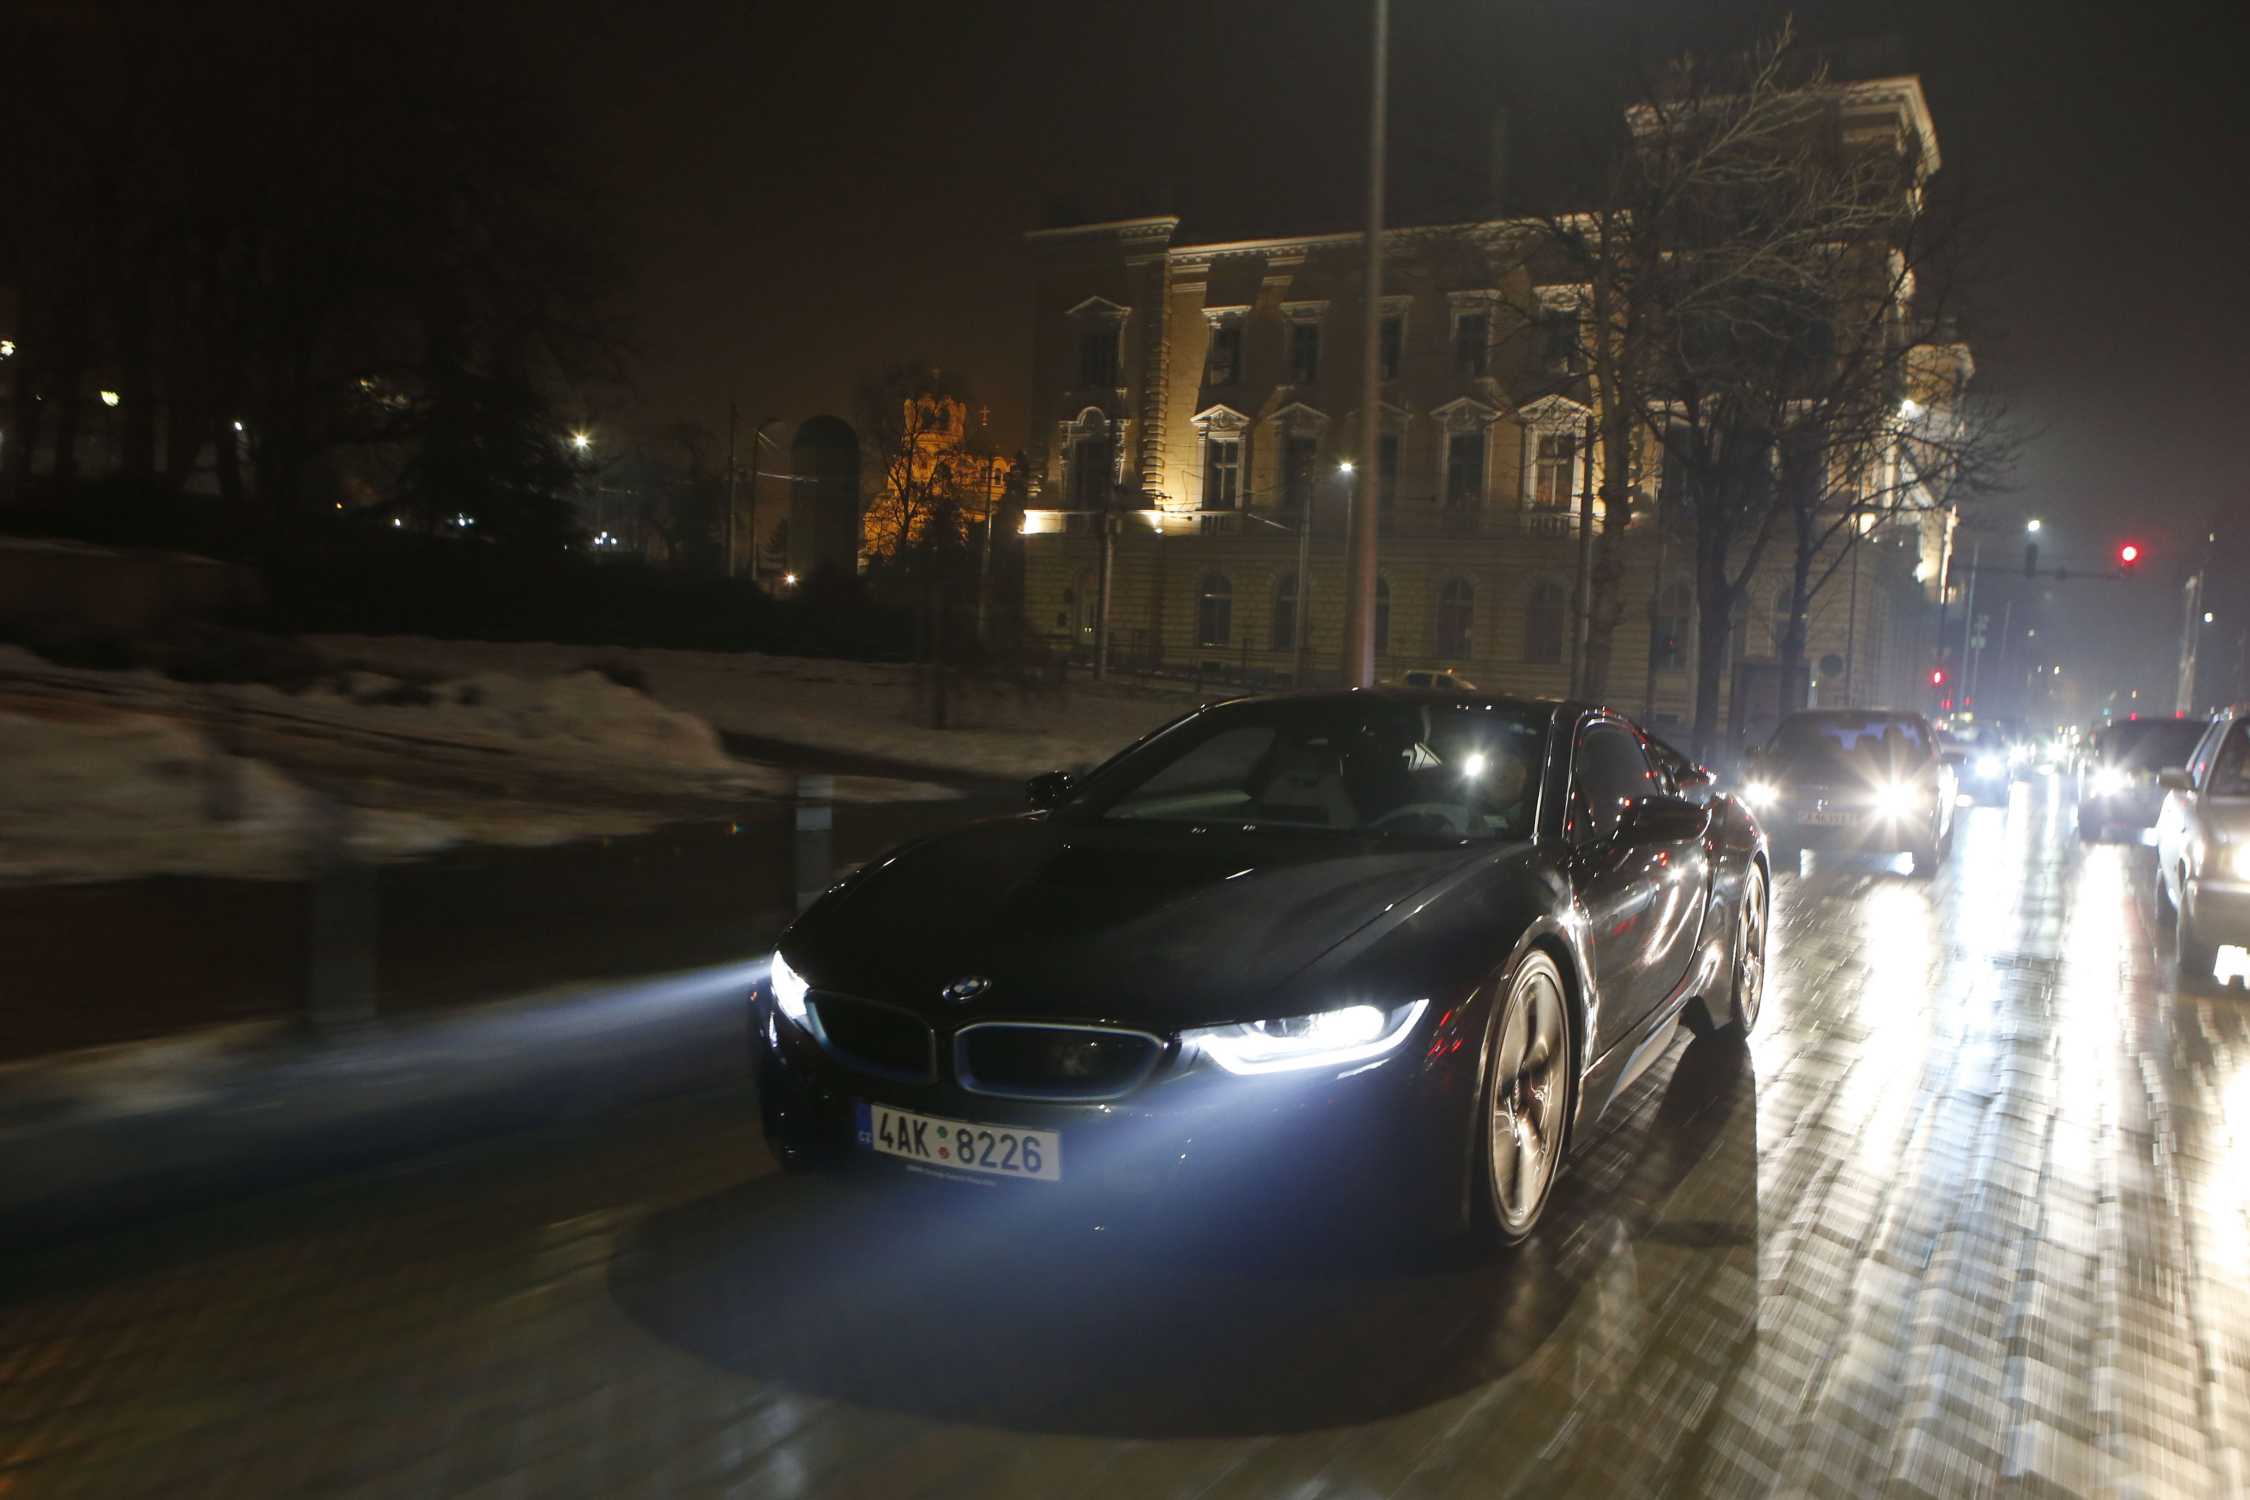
<point x="1937" y="677"/>
<point x="2128" y="557"/>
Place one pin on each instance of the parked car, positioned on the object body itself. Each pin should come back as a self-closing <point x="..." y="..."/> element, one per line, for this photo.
<point x="2203" y="851"/>
<point x="1444" y="678"/>
<point x="1862" y="781"/>
<point x="1386" y="946"/>
<point x="2118" y="790"/>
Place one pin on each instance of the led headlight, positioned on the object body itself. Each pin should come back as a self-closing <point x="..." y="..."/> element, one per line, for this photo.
<point x="1761" y="794"/>
<point x="1990" y="765"/>
<point x="2108" y="781"/>
<point x="1349" y="1034"/>
<point x="789" y="989"/>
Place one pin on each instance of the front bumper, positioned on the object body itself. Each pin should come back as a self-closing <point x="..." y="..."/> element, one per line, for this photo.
<point x="1270" y="1144"/>
<point x="1868" y="832"/>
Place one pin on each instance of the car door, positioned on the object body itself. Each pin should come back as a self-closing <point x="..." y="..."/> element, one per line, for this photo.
<point x="2175" y="821"/>
<point x="1642" y="900"/>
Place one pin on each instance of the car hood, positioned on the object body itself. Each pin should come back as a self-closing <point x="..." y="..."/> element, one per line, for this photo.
<point x="1157" y="926"/>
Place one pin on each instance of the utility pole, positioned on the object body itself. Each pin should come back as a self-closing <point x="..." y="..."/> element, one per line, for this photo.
<point x="731" y="418"/>
<point x="1583" y="602"/>
<point x="1968" y="621"/>
<point x="1304" y="588"/>
<point x="2191" y="640"/>
<point x="984" y="565"/>
<point x="1359" y="592"/>
<point x="1655" y="607"/>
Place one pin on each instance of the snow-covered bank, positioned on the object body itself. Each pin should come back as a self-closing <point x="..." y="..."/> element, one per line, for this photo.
<point x="866" y="708"/>
<point x="110" y="775"/>
<point x="95" y="795"/>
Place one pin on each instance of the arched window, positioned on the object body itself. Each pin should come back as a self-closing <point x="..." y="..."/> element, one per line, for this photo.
<point x="1667" y="633"/>
<point x="1093" y="461"/>
<point x="1285" y="613"/>
<point x="1214" y="613"/>
<point x="1456" y="619"/>
<point x="1544" y="619"/>
<point x="1382" y="616"/>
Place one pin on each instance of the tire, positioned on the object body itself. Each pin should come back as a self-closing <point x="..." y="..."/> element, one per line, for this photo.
<point x="1524" y="1108"/>
<point x="1750" y="954"/>
<point x="2193" y="956"/>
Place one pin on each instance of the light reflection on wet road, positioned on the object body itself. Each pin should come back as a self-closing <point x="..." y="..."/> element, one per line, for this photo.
<point x="1972" y="1213"/>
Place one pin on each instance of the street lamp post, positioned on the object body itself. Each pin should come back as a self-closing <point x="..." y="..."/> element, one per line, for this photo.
<point x="1359" y="595"/>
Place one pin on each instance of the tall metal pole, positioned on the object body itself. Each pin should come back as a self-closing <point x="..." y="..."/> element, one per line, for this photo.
<point x="2191" y="642"/>
<point x="730" y="485"/>
<point x="1582" y="600"/>
<point x="1968" y="621"/>
<point x="1304" y="589"/>
<point x="1359" y="595"/>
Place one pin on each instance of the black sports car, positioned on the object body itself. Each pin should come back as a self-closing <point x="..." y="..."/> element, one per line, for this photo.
<point x="1395" y="942"/>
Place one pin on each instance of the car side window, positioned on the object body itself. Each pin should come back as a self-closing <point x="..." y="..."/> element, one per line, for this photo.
<point x="2230" y="765"/>
<point x="1608" y="774"/>
<point x="2199" y="759"/>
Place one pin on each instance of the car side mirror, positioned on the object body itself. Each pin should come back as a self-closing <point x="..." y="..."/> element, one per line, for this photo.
<point x="1049" y="789"/>
<point x="2174" y="779"/>
<point x="1658" y="819"/>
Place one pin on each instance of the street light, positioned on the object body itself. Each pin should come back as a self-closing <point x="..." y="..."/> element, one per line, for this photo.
<point x="581" y="441"/>
<point x="2032" y="525"/>
<point x="1344" y="466"/>
<point x="109" y="398"/>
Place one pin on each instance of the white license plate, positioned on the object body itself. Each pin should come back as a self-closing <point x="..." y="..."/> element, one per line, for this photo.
<point x="1832" y="818"/>
<point x="962" y="1145"/>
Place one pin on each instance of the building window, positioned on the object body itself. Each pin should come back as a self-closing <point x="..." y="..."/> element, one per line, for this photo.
<point x="1214" y="612"/>
<point x="1382" y="616"/>
<point x="1543" y="623"/>
<point x="1091" y="470"/>
<point x="1299" y="457"/>
<point x="1224" y="367"/>
<point x="1464" y="469"/>
<point x="1386" y="468"/>
<point x="1472" y="345"/>
<point x="1304" y="353"/>
<point x="1558" y="340"/>
<point x="1391" y="346"/>
<point x="1285" y="613"/>
<point x="1097" y="355"/>
<point x="1456" y="619"/>
<point x="1667" y="633"/>
<point x="1222" y="472"/>
<point x="1554" y="465"/>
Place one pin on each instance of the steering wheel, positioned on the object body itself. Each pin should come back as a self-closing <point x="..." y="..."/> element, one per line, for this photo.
<point x="1449" y="813"/>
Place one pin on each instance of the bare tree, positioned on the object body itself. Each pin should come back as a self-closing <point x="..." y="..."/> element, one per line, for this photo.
<point x="911" y="418"/>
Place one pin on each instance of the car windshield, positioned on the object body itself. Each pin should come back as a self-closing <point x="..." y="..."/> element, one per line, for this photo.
<point x="1864" y="742"/>
<point x="2149" y="744"/>
<point x="1364" y="765"/>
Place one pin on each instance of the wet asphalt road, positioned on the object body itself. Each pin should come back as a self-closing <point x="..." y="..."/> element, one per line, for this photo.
<point x="1968" y="1216"/>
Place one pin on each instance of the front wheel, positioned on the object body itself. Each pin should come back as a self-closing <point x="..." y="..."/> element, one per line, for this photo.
<point x="2196" y="958"/>
<point x="1524" y="1105"/>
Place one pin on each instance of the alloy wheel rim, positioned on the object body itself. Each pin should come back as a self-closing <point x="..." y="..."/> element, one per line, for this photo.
<point x="1527" y="1100"/>
<point x="1753" y="960"/>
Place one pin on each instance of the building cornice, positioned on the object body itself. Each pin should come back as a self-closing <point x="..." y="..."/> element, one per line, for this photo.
<point x="1155" y="226"/>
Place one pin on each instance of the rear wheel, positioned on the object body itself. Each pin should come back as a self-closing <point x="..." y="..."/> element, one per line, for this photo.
<point x="1524" y="1106"/>
<point x="1750" y="953"/>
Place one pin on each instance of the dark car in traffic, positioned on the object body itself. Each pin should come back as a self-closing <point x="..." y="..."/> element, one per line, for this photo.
<point x="1385" y="946"/>
<point x="2119" y="795"/>
<point x="1858" y="781"/>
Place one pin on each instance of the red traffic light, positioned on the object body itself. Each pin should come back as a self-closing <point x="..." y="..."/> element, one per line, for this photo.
<point x="1937" y="677"/>
<point x="2129" y="554"/>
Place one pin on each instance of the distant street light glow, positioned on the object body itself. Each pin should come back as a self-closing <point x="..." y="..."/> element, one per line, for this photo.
<point x="789" y="580"/>
<point x="1344" y="466"/>
<point x="238" y="427"/>
<point x="109" y="398"/>
<point x="2208" y="617"/>
<point x="581" y="441"/>
<point x="2033" y="524"/>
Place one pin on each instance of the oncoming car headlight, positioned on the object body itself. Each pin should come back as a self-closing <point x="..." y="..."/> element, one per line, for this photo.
<point x="1761" y="794"/>
<point x="1349" y="1034"/>
<point x="1896" y="799"/>
<point x="2108" y="781"/>
<point x="1990" y="765"/>
<point x="789" y="989"/>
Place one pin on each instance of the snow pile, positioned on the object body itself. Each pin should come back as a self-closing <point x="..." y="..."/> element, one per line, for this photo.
<point x="579" y="717"/>
<point x="91" y="794"/>
<point x="864" y="708"/>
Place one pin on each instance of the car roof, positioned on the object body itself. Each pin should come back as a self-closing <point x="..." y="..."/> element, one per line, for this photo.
<point x="1397" y="693"/>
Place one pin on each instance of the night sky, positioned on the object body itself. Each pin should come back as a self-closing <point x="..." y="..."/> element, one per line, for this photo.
<point x="811" y="191"/>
